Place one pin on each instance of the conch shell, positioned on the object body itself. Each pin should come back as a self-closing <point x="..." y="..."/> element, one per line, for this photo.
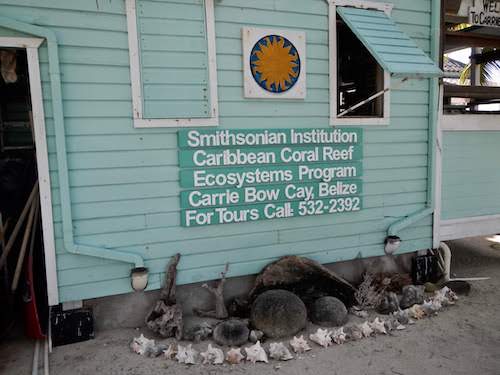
<point x="280" y="352"/>
<point x="378" y="326"/>
<point x="365" y="329"/>
<point x="338" y="336"/>
<point x="417" y="312"/>
<point x="234" y="356"/>
<point x="256" y="353"/>
<point x="321" y="337"/>
<point x="171" y="352"/>
<point x="299" y="344"/>
<point x="142" y="345"/>
<point x="186" y="354"/>
<point x="213" y="356"/>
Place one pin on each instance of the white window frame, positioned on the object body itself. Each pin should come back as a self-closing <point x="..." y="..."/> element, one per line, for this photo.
<point x="332" y="45"/>
<point x="136" y="82"/>
<point x="31" y="46"/>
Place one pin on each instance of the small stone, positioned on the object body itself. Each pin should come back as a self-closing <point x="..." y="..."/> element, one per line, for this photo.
<point x="255" y="335"/>
<point x="278" y="313"/>
<point x="231" y="332"/>
<point x="389" y="303"/>
<point x="328" y="311"/>
<point x="411" y="295"/>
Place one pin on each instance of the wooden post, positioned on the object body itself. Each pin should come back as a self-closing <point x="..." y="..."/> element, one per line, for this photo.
<point x="12" y="239"/>
<point x="27" y="232"/>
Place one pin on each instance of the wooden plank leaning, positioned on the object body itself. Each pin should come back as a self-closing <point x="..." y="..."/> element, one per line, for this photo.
<point x="15" y="231"/>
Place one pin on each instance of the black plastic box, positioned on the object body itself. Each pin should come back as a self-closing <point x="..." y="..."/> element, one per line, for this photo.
<point x="71" y="326"/>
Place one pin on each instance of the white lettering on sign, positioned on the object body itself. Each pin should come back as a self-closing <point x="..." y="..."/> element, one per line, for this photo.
<point x="236" y="176"/>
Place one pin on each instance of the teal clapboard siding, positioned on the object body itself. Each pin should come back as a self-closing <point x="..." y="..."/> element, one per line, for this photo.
<point x="124" y="182"/>
<point x="395" y="51"/>
<point x="471" y="174"/>
<point x="173" y="57"/>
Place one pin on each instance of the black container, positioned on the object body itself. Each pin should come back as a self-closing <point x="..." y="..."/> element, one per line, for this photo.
<point x="71" y="326"/>
<point x="425" y="269"/>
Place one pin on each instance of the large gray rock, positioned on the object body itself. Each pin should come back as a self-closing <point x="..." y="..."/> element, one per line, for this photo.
<point x="328" y="311"/>
<point x="278" y="313"/>
<point x="231" y="332"/>
<point x="412" y="295"/>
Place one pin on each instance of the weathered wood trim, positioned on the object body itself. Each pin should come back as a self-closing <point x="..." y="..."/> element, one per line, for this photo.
<point x="31" y="45"/>
<point x="135" y="74"/>
<point x="469" y="226"/>
<point x="485" y="122"/>
<point x="20" y="42"/>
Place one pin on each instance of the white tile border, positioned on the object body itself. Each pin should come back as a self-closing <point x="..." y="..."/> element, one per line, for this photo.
<point x="135" y="74"/>
<point x="250" y="36"/>
<point x="31" y="45"/>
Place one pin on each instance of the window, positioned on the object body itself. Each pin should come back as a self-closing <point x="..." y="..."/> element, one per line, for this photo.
<point x="359" y="77"/>
<point x="172" y="63"/>
<point x="367" y="48"/>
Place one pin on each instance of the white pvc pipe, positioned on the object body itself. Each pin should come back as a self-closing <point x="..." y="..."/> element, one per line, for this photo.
<point x="46" y="358"/>
<point x="34" y="369"/>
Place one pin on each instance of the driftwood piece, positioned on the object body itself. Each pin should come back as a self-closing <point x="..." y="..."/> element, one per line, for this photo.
<point x="220" y="311"/>
<point x="165" y="318"/>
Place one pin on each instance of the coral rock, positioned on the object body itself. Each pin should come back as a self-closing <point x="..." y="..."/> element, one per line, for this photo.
<point x="412" y="295"/>
<point x="278" y="313"/>
<point x="231" y="332"/>
<point x="328" y="311"/>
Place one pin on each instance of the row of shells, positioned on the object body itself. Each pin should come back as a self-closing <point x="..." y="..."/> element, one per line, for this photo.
<point x="322" y="337"/>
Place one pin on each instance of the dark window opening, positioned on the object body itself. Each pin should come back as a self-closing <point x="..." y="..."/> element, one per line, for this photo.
<point x="359" y="76"/>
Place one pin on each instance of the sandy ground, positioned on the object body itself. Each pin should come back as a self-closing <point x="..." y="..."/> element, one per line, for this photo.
<point x="463" y="339"/>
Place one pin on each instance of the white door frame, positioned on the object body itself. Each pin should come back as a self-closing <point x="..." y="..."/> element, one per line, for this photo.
<point x="31" y="46"/>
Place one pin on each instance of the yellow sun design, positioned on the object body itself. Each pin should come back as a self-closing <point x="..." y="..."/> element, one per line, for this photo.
<point x="275" y="63"/>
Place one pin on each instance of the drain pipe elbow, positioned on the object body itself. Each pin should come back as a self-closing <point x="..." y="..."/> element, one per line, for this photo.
<point x="405" y="222"/>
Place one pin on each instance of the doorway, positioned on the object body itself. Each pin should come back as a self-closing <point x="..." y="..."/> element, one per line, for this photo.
<point x="27" y="261"/>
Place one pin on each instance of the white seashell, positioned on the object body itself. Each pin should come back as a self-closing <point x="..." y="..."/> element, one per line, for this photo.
<point x="234" y="356"/>
<point x="378" y="326"/>
<point x="142" y="345"/>
<point x="354" y="333"/>
<point x="416" y="312"/>
<point x="445" y="296"/>
<point x="338" y="336"/>
<point x="212" y="356"/>
<point x="171" y="352"/>
<point x="431" y="306"/>
<point x="186" y="354"/>
<point x="321" y="337"/>
<point x="256" y="353"/>
<point x="280" y="352"/>
<point x="365" y="329"/>
<point x="299" y="344"/>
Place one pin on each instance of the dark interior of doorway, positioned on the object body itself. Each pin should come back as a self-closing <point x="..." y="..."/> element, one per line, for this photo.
<point x="23" y="310"/>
